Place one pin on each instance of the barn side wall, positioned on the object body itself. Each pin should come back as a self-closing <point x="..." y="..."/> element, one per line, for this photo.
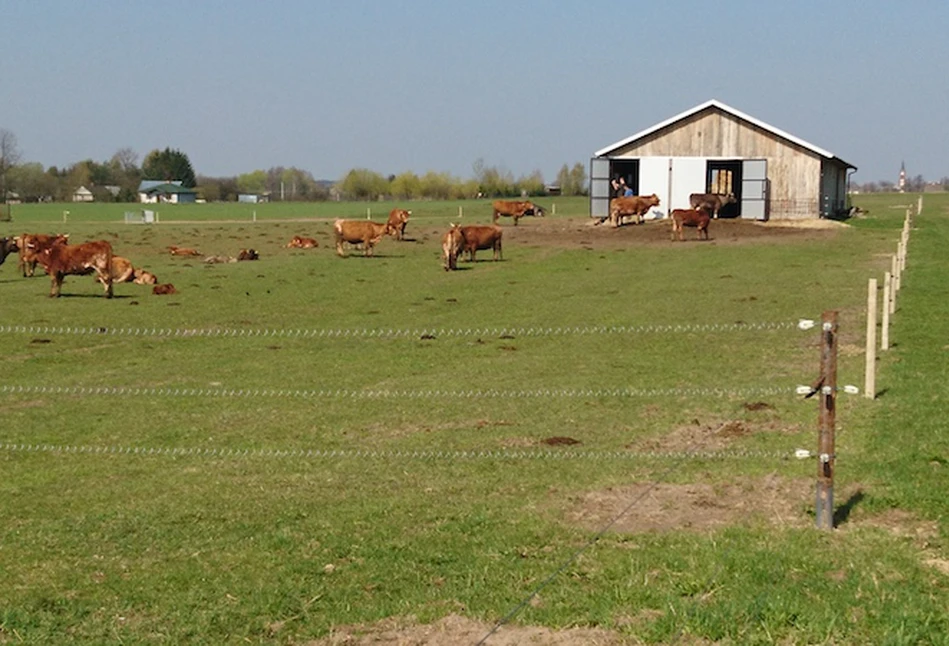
<point x="794" y="172"/>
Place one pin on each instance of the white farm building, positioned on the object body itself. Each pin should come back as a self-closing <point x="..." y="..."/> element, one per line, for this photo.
<point x="714" y="148"/>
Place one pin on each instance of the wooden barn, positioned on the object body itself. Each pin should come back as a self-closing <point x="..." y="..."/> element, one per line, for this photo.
<point x="714" y="148"/>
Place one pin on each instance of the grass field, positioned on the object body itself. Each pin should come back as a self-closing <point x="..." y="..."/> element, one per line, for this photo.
<point x="369" y="446"/>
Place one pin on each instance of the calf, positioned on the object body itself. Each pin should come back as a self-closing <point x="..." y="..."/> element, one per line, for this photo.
<point x="364" y="232"/>
<point x="452" y="243"/>
<point x="515" y="209"/>
<point x="248" y="254"/>
<point x="302" y="243"/>
<point x="689" y="218"/>
<point x="635" y="206"/>
<point x="475" y="237"/>
<point x="142" y="277"/>
<point x="62" y="259"/>
<point x="164" y="289"/>
<point x="183" y="251"/>
<point x="30" y="246"/>
<point x="398" y="218"/>
<point x="711" y="202"/>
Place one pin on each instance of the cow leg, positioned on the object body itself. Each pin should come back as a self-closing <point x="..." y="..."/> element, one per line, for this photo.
<point x="516" y="217"/>
<point x="57" y="285"/>
<point x="497" y="250"/>
<point x="339" y="249"/>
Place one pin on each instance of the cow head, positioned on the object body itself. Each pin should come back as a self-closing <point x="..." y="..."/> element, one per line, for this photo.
<point x="729" y="199"/>
<point x="7" y="246"/>
<point x="539" y="210"/>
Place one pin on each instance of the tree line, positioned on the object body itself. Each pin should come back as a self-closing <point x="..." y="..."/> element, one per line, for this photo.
<point x="118" y="179"/>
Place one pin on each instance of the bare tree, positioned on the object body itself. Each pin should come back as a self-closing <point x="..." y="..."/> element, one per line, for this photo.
<point x="9" y="157"/>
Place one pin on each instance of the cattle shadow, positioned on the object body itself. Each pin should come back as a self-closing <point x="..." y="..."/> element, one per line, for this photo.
<point x="842" y="513"/>
<point x="115" y="297"/>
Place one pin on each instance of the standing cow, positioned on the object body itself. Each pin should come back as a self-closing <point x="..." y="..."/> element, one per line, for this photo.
<point x="364" y="232"/>
<point x="452" y="243"/>
<point x="516" y="210"/>
<point x="697" y="218"/>
<point x="475" y="237"/>
<point x="711" y="202"/>
<point x="62" y="259"/>
<point x="635" y="206"/>
<point x="398" y="218"/>
<point x="31" y="245"/>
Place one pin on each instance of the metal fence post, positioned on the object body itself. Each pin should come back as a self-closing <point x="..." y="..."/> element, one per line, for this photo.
<point x="827" y="392"/>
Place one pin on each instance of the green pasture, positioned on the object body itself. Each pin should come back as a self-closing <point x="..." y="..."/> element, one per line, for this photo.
<point x="428" y="401"/>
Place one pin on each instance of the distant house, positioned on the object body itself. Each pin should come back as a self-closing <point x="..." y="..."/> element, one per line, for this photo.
<point x="82" y="194"/>
<point x="167" y="192"/>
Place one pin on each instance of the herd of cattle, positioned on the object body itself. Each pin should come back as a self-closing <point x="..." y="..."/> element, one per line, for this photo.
<point x="60" y="258"/>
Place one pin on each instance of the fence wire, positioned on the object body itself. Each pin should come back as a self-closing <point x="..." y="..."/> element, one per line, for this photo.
<point x="400" y="394"/>
<point x="390" y="333"/>
<point x="423" y="455"/>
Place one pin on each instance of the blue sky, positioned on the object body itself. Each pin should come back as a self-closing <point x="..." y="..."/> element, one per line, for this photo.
<point x="423" y="85"/>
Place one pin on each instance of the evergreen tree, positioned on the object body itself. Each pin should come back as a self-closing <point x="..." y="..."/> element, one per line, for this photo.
<point x="169" y="165"/>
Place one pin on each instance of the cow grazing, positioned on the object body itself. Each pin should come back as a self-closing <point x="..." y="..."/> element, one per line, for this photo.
<point x="475" y="237"/>
<point x="164" y="289"/>
<point x="61" y="259"/>
<point x="697" y="218"/>
<point x="183" y="251"/>
<point x="452" y="243"/>
<point x="398" y="218"/>
<point x="7" y="246"/>
<point x="142" y="277"/>
<point x="515" y="210"/>
<point x="635" y="206"/>
<point x="299" y="242"/>
<point x="30" y="245"/>
<point x="364" y="232"/>
<point x="711" y="202"/>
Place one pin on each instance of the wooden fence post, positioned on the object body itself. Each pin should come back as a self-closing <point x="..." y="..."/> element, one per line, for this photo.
<point x="885" y="323"/>
<point x="869" y="382"/>
<point x="895" y="270"/>
<point x="827" y="393"/>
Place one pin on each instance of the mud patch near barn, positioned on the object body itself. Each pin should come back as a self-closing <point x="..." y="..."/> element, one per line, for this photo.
<point x="654" y="507"/>
<point x="581" y="233"/>
<point x="455" y="630"/>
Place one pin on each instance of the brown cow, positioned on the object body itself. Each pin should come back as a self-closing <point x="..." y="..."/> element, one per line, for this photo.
<point x="697" y="218"/>
<point x="30" y="246"/>
<point x="364" y="232"/>
<point x="636" y="206"/>
<point x="475" y="237"/>
<point x="711" y="202"/>
<point x="248" y="254"/>
<point x="61" y="259"/>
<point x="122" y="270"/>
<point x="398" y="218"/>
<point x="183" y="251"/>
<point x="163" y="289"/>
<point x="299" y="242"/>
<point x="515" y="210"/>
<point x="452" y="243"/>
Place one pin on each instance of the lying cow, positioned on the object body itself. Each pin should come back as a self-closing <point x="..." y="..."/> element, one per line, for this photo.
<point x="398" y="218"/>
<point x="61" y="259"/>
<point x="515" y="210"/>
<point x="248" y="254"/>
<point x="452" y="243"/>
<point x="299" y="242"/>
<point x="475" y="237"/>
<point x="364" y="232"/>
<point x="711" y="202"/>
<point x="142" y="277"/>
<point x="697" y="218"/>
<point x="183" y="251"/>
<point x="164" y="289"/>
<point x="635" y="206"/>
<point x="30" y="245"/>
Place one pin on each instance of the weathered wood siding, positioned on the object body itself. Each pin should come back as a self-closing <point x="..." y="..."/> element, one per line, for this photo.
<point x="794" y="172"/>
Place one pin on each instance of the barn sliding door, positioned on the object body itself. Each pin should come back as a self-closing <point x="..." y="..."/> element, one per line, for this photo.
<point x="599" y="187"/>
<point x="754" y="189"/>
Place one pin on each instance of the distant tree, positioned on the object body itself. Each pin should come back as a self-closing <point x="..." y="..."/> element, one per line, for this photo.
<point x="436" y="186"/>
<point x="9" y="157"/>
<point x="578" y="179"/>
<point x="945" y="183"/>
<point x="532" y="184"/>
<point x="494" y="182"/>
<point x="916" y="184"/>
<point x="169" y="165"/>
<point x="31" y="182"/>
<point x="362" y="184"/>
<point x="406" y="186"/>
<point x="253" y="182"/>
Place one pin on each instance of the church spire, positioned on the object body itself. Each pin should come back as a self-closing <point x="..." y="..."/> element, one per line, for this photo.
<point x="901" y="184"/>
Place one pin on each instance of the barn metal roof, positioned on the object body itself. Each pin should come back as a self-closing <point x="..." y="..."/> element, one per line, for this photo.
<point x="713" y="103"/>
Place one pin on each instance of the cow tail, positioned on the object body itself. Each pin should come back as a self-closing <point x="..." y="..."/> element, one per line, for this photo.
<point x="108" y="270"/>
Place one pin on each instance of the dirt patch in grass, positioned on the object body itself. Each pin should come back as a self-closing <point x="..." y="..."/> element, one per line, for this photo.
<point x="455" y="630"/>
<point x="710" y="436"/>
<point x="656" y="507"/>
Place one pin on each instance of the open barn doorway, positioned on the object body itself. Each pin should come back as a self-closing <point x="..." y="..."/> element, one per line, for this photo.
<point x="628" y="170"/>
<point x="724" y="176"/>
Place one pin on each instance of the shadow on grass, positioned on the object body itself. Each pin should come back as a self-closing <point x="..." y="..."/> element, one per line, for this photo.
<point x="842" y="513"/>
